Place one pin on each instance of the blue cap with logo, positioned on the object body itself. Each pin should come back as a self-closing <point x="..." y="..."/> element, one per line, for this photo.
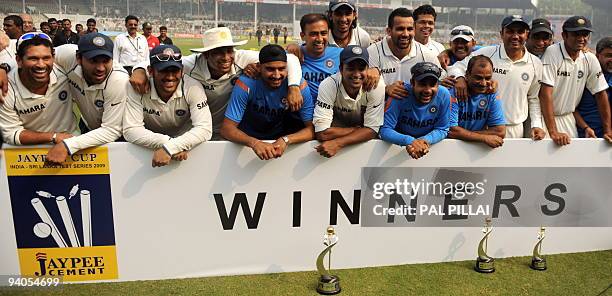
<point x="512" y="19"/>
<point x="165" y="56"/>
<point x="354" y="52"/>
<point x="577" y="23"/>
<point x="95" y="44"/>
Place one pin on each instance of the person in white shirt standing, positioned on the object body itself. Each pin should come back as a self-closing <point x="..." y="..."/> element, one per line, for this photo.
<point x="99" y="89"/>
<point x="131" y="47"/>
<point x="425" y="23"/>
<point x="397" y="53"/>
<point x="174" y="117"/>
<point x="567" y="70"/>
<point x="518" y="74"/>
<point x="344" y="30"/>
<point x="345" y="114"/>
<point x="38" y="107"/>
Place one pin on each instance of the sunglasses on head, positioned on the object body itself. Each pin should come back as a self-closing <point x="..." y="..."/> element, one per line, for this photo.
<point x="162" y="57"/>
<point x="429" y="68"/>
<point x="32" y="35"/>
<point x="461" y="32"/>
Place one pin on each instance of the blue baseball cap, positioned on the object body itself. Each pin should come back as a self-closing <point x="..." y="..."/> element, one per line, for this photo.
<point x="354" y="52"/>
<point x="165" y="56"/>
<point x="511" y="19"/>
<point x="335" y="4"/>
<point x="95" y="44"/>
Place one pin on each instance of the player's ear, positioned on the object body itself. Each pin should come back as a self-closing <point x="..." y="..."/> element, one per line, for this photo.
<point x="388" y="30"/>
<point x="302" y="35"/>
<point x="150" y="70"/>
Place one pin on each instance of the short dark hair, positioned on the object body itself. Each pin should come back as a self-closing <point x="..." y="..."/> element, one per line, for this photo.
<point x="312" y="18"/>
<point x="401" y="12"/>
<point x="79" y="25"/>
<point x="91" y="20"/>
<point x="66" y="20"/>
<point x="17" y="20"/>
<point x="51" y="20"/>
<point x="35" y="41"/>
<point x="424" y="10"/>
<point x="272" y="52"/>
<point x="43" y="24"/>
<point x="603" y="43"/>
<point x="131" y="17"/>
<point x="163" y="28"/>
<point x="477" y="60"/>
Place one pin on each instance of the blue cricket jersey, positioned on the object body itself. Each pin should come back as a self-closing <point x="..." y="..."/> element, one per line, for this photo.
<point x="315" y="70"/>
<point x="588" y="109"/>
<point x="407" y="120"/>
<point x="260" y="111"/>
<point x="477" y="112"/>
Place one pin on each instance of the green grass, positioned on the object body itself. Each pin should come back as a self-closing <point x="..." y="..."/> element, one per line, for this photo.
<point x="185" y="44"/>
<point x="587" y="273"/>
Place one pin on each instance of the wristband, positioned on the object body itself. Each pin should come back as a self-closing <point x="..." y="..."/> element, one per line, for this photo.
<point x="54" y="138"/>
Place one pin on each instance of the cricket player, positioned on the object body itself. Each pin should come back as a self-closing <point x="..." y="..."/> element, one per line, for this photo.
<point x="258" y="108"/>
<point x="397" y="53"/>
<point x="480" y="118"/>
<point x="174" y="117"/>
<point x="517" y="72"/>
<point x="38" y="106"/>
<point x="568" y="69"/>
<point x="217" y="67"/>
<point x="346" y="114"/>
<point x="587" y="114"/>
<point x="344" y="30"/>
<point x="423" y="117"/>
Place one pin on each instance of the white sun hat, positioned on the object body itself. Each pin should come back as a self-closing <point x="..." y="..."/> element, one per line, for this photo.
<point x="217" y="37"/>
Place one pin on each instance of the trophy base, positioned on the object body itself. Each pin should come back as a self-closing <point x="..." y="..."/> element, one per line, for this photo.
<point x="538" y="264"/>
<point x="485" y="265"/>
<point x="329" y="285"/>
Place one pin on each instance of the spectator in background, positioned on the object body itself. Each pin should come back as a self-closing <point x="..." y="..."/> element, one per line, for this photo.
<point x="91" y="26"/>
<point x="147" y="30"/>
<point x="268" y="34"/>
<point x="45" y="28"/>
<point x="163" y="36"/>
<point x="13" y="26"/>
<point x="285" y="35"/>
<point x="425" y="22"/>
<point x="66" y="36"/>
<point x="54" y="27"/>
<point x="79" y="30"/>
<point x="259" y="34"/>
<point x="276" y="33"/>
<point x="28" y="23"/>
<point x="130" y="47"/>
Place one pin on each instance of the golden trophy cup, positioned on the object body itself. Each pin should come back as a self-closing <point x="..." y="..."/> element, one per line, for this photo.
<point x="537" y="261"/>
<point x="484" y="262"/>
<point x="328" y="284"/>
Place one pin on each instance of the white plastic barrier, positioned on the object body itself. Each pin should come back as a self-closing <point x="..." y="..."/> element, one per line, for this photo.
<point x="169" y="222"/>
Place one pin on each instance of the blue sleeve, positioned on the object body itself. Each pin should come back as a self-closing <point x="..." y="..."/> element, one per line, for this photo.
<point x="454" y="114"/>
<point x="496" y="111"/>
<point x="238" y="101"/>
<point x="307" y="110"/>
<point x="440" y="130"/>
<point x="387" y="131"/>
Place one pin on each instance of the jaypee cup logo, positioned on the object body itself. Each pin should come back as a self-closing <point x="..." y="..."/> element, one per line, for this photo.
<point x="62" y="214"/>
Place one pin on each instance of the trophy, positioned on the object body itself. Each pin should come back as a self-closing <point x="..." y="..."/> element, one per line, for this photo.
<point x="484" y="262"/>
<point x="328" y="284"/>
<point x="537" y="261"/>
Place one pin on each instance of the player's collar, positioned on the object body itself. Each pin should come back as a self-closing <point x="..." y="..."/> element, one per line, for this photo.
<point x="26" y="93"/>
<point x="503" y="55"/>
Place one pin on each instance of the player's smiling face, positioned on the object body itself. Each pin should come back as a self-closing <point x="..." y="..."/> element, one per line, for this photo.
<point x="424" y="90"/>
<point x="576" y="41"/>
<point x="425" y="25"/>
<point x="402" y="32"/>
<point x="605" y="59"/>
<point x="342" y="18"/>
<point x="96" y="69"/>
<point x="353" y="74"/>
<point x="461" y="48"/>
<point x="220" y="60"/>
<point x="479" y="77"/>
<point x="36" y="64"/>
<point x="538" y="42"/>
<point x="167" y="80"/>
<point x="315" y="37"/>
<point x="514" y="36"/>
<point x="273" y="73"/>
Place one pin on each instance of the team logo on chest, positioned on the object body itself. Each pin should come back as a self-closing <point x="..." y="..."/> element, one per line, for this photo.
<point x="329" y="63"/>
<point x="99" y="103"/>
<point x="433" y="109"/>
<point x="580" y="74"/>
<point x="525" y="76"/>
<point x="180" y="112"/>
<point x="482" y="103"/>
<point x="63" y="95"/>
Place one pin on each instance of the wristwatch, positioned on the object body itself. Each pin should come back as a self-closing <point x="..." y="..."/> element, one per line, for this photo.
<point x="285" y="139"/>
<point x="5" y="67"/>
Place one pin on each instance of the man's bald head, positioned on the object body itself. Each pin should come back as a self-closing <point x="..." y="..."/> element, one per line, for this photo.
<point x="28" y="23"/>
